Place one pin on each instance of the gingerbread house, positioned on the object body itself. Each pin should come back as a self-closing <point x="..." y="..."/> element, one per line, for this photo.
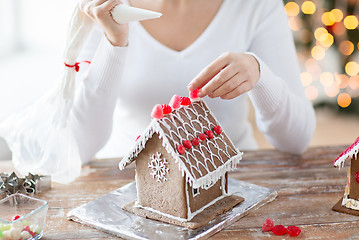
<point x="350" y="202"/>
<point x="182" y="163"/>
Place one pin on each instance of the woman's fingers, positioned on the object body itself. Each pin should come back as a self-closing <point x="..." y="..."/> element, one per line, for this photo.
<point x="208" y="73"/>
<point x="88" y="6"/>
<point x="241" y="89"/>
<point x="226" y="87"/>
<point x="218" y="80"/>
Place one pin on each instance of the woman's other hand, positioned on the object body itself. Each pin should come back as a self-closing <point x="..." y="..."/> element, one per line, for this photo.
<point x="228" y="77"/>
<point x="100" y="12"/>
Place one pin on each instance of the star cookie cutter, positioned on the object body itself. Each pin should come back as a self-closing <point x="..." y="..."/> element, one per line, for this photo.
<point x="29" y="185"/>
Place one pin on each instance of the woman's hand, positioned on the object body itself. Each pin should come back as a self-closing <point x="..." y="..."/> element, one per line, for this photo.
<point x="229" y="76"/>
<point x="100" y="12"/>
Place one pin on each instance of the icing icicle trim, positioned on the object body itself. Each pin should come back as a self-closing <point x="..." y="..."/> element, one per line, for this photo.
<point x="351" y="151"/>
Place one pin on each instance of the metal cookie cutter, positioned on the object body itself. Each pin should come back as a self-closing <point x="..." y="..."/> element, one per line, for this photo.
<point x="29" y="185"/>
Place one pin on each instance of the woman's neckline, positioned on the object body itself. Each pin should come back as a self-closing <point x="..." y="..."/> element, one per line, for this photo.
<point x="192" y="46"/>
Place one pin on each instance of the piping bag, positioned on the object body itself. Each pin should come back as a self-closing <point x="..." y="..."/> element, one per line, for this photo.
<point x="40" y="135"/>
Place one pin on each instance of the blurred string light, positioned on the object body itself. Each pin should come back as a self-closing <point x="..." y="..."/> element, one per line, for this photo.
<point x="326" y="28"/>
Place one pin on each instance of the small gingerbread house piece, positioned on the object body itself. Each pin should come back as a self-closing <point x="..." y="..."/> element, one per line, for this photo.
<point x="182" y="160"/>
<point x="350" y="202"/>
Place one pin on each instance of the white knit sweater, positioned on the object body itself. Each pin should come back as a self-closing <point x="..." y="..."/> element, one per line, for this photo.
<point x="117" y="91"/>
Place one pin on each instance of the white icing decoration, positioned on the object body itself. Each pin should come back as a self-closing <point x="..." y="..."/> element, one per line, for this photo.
<point x="353" y="153"/>
<point x="159" y="167"/>
<point x="190" y="214"/>
<point x="196" y="169"/>
<point x="350" y="203"/>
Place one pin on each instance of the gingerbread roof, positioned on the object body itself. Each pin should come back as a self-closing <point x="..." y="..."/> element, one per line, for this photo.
<point x="350" y="152"/>
<point x="202" y="161"/>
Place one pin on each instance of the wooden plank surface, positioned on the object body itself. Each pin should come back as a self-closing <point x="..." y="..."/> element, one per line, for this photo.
<point x="308" y="186"/>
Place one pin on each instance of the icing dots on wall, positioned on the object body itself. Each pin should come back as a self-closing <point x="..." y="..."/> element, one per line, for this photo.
<point x="159" y="167"/>
<point x="187" y="144"/>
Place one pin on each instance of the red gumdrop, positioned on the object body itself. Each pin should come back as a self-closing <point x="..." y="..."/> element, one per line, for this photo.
<point x="209" y="134"/>
<point x="14" y="218"/>
<point x="279" y="230"/>
<point x="194" y="94"/>
<point x="187" y="144"/>
<point x="293" y="231"/>
<point x="357" y="177"/>
<point x="181" y="150"/>
<point x="268" y="225"/>
<point x="175" y="102"/>
<point x="157" y="112"/>
<point x="166" y="108"/>
<point x="195" y="141"/>
<point x="33" y="234"/>
<point x="217" y="129"/>
<point x="185" y="101"/>
<point x="202" y="136"/>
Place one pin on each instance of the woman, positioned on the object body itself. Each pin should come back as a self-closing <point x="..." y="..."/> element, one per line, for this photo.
<point x="234" y="50"/>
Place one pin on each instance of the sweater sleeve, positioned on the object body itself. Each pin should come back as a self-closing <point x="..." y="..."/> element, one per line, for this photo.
<point x="96" y="95"/>
<point x="283" y="113"/>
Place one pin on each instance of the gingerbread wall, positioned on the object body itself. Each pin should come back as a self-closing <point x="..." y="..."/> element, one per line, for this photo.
<point x="205" y="196"/>
<point x="167" y="196"/>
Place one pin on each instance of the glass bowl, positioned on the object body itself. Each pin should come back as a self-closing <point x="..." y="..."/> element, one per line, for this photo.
<point x="22" y="217"/>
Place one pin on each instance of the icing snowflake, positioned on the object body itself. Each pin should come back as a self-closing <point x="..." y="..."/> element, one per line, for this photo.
<point x="159" y="167"/>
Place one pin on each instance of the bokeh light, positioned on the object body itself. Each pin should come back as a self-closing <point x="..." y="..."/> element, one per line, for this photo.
<point x="346" y="47"/>
<point x="320" y="34"/>
<point x="318" y="52"/>
<point x="351" y="22"/>
<point x="341" y="80"/>
<point x="338" y="14"/>
<point x="352" y="68"/>
<point x="292" y="9"/>
<point x="326" y="79"/>
<point x="354" y="82"/>
<point x="308" y="7"/>
<point x="311" y="92"/>
<point x="344" y="100"/>
<point x="332" y="90"/>
<point x="339" y="29"/>
<point x="306" y="78"/>
<point x="328" y="18"/>
<point x="328" y="41"/>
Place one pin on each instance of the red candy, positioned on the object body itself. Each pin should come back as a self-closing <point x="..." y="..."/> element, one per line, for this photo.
<point x="175" y="102"/>
<point x="357" y="177"/>
<point x="268" y="225"/>
<point x="185" y="101"/>
<point x="194" y="94"/>
<point x="217" y="129"/>
<point x="15" y="218"/>
<point x="181" y="150"/>
<point x="138" y="137"/>
<point x="209" y="134"/>
<point x="157" y="112"/>
<point x="166" y="108"/>
<point x="202" y="136"/>
<point x="293" y="231"/>
<point x="279" y="230"/>
<point x="26" y="228"/>
<point x="187" y="144"/>
<point x="195" y="141"/>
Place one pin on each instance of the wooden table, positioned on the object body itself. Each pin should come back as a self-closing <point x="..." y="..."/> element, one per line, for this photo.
<point x="308" y="186"/>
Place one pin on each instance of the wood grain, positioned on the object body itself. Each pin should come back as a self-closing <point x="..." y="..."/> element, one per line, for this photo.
<point x="308" y="186"/>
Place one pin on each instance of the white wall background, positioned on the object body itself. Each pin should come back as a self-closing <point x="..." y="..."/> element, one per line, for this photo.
<point x="32" y="38"/>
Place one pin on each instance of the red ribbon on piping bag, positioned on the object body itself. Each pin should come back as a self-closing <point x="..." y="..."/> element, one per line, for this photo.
<point x="76" y="65"/>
